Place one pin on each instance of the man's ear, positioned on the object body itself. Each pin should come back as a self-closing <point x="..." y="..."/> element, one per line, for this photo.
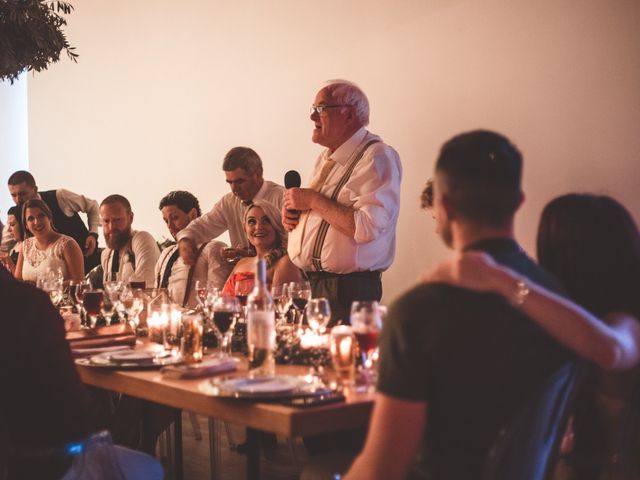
<point x="448" y="207"/>
<point x="193" y="214"/>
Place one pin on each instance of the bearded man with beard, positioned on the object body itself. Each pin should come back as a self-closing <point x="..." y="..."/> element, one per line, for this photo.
<point x="133" y="254"/>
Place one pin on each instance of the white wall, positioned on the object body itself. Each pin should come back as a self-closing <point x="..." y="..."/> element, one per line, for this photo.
<point x="14" y="154"/>
<point x="163" y="89"/>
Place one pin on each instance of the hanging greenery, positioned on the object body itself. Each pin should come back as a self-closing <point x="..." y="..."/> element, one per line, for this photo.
<point x="31" y="36"/>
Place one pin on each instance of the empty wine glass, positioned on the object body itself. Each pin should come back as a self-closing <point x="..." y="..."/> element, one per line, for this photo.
<point x="366" y="321"/>
<point x="226" y="310"/>
<point x="280" y="295"/>
<point x="78" y="294"/>
<point x="318" y="313"/>
<point x="133" y="302"/>
<point x="202" y="292"/>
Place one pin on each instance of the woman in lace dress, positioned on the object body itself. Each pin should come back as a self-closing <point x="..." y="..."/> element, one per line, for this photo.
<point x="44" y="248"/>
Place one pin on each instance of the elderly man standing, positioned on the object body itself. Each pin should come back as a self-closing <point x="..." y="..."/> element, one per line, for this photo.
<point x="132" y="254"/>
<point x="178" y="209"/>
<point x="243" y="171"/>
<point x="344" y="237"/>
<point x="65" y="206"/>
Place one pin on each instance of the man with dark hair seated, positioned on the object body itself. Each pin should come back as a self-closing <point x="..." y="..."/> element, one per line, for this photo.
<point x="178" y="208"/>
<point x="456" y="365"/>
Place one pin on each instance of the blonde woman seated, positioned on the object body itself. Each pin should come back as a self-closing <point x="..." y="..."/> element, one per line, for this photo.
<point x="264" y="230"/>
<point x="44" y="249"/>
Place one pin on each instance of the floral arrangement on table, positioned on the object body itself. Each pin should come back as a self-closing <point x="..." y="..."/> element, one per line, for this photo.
<point x="31" y="36"/>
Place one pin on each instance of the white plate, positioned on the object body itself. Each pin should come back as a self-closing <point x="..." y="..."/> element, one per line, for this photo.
<point x="127" y="360"/>
<point x="279" y="386"/>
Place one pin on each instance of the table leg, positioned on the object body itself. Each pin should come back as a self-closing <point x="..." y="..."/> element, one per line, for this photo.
<point x="178" y="444"/>
<point x="253" y="454"/>
<point x="215" y="445"/>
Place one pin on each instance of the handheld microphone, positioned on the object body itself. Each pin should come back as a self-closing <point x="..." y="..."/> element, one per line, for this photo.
<point x="292" y="180"/>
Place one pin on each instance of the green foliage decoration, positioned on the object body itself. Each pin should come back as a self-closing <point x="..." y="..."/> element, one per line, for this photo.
<point x="31" y="36"/>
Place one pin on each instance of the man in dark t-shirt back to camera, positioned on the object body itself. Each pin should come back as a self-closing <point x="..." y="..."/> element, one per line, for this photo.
<point x="456" y="365"/>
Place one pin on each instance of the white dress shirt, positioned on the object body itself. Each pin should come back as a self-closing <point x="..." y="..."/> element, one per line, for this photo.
<point x="227" y="214"/>
<point x="210" y="268"/>
<point x="373" y="191"/>
<point x="145" y="253"/>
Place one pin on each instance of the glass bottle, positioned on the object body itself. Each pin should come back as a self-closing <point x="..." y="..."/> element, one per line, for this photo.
<point x="261" y="330"/>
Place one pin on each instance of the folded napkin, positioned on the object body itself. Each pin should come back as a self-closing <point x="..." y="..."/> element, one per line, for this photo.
<point x="113" y="335"/>
<point x="207" y="368"/>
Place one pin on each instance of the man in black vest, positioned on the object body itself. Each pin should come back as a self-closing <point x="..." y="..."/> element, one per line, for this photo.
<point x="65" y="206"/>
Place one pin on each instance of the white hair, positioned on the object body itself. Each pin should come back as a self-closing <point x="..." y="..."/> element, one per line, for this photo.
<point x="345" y="92"/>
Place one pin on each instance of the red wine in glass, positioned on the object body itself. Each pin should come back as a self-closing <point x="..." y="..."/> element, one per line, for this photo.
<point x="300" y="302"/>
<point x="93" y="302"/>
<point x="223" y="320"/>
<point x="367" y="340"/>
<point x="137" y="285"/>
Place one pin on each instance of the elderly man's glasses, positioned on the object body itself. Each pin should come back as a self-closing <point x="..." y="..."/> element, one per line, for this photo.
<point x="321" y="108"/>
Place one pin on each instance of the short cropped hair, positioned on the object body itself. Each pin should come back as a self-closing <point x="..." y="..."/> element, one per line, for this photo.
<point x="426" y="198"/>
<point x="116" y="198"/>
<point x="21" y="176"/>
<point x="480" y="172"/>
<point x="35" y="203"/>
<point x="242" y="157"/>
<point x="184" y="200"/>
<point x="345" y="92"/>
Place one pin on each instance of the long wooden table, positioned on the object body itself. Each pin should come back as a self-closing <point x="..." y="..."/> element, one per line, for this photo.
<point x="270" y="417"/>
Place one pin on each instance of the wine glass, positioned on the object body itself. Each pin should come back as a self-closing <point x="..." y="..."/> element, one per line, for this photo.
<point x="93" y="301"/>
<point x="243" y="288"/>
<point x="318" y="313"/>
<point x="366" y="321"/>
<point x="226" y="310"/>
<point x="280" y="295"/>
<point x="133" y="302"/>
<point x="78" y="294"/>
<point x="202" y="292"/>
<point x="300" y="293"/>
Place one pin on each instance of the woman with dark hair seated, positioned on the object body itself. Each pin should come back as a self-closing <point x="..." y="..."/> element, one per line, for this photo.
<point x="592" y="245"/>
<point x="14" y="225"/>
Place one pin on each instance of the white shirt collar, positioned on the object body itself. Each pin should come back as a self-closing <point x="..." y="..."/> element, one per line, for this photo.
<point x="262" y="192"/>
<point x="344" y="151"/>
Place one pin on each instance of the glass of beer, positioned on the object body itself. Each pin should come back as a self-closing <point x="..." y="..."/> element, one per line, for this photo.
<point x="191" y="342"/>
<point x="342" y="345"/>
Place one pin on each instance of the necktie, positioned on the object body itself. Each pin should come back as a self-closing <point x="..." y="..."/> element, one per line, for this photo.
<point x="318" y="182"/>
<point x="115" y="261"/>
<point x="167" y="271"/>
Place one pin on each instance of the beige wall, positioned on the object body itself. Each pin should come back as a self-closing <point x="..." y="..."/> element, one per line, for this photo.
<point x="163" y="89"/>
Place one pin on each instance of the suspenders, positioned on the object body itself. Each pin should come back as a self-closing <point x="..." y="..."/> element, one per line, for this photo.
<point x="324" y="226"/>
